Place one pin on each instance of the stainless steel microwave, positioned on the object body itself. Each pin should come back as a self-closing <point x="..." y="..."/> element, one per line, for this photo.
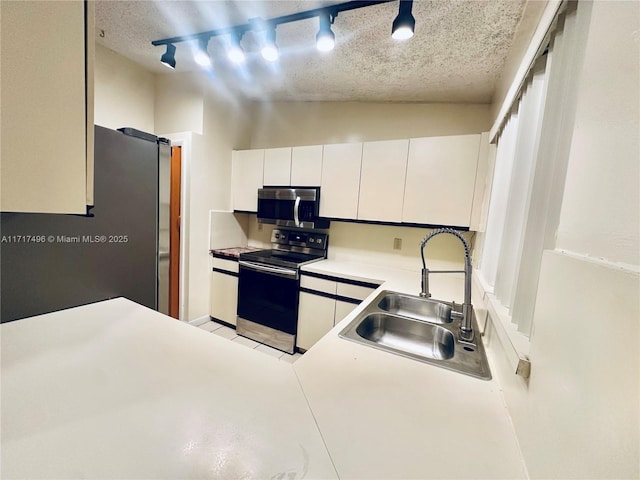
<point x="291" y="207"/>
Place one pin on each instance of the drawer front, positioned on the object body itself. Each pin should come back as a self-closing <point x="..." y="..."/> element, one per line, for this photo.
<point x="228" y="265"/>
<point x="354" y="291"/>
<point x="318" y="284"/>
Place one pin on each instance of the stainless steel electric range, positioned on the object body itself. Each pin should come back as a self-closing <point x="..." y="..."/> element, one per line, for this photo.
<point x="268" y="286"/>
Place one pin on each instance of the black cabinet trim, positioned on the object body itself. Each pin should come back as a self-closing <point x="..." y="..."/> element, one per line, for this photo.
<point x="348" y="281"/>
<point x="224" y="257"/>
<point x="332" y="296"/>
<point x="225" y="272"/>
<point x="396" y="224"/>
<point x="222" y="322"/>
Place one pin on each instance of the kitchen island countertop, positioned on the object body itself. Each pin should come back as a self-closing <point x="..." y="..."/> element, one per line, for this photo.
<point x="116" y="390"/>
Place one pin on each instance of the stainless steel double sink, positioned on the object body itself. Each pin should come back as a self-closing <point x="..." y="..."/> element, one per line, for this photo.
<point x="421" y="329"/>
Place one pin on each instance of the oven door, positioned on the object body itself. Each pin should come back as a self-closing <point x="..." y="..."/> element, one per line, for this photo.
<point x="268" y="304"/>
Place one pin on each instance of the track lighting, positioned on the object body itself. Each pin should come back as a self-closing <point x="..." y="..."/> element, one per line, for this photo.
<point x="325" y="39"/>
<point x="270" y="49"/>
<point x="169" y="57"/>
<point x="404" y="24"/>
<point x="402" y="29"/>
<point x="201" y="56"/>
<point x="235" y="52"/>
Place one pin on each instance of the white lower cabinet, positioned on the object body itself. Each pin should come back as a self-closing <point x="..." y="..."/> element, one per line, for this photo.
<point x="224" y="291"/>
<point x="342" y="310"/>
<point x="315" y="318"/>
<point x="319" y="312"/>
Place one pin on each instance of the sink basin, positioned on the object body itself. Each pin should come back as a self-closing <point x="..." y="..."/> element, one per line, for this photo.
<point x="407" y="335"/>
<point x="420" y="329"/>
<point x="416" y="307"/>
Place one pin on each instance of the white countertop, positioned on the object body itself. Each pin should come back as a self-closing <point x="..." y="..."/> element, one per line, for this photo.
<point x="114" y="389"/>
<point x="444" y="286"/>
<point x="385" y="416"/>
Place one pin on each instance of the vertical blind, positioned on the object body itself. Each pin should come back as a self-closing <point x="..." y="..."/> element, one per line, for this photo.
<point x="530" y="167"/>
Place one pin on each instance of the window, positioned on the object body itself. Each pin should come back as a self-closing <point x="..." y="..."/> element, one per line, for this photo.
<point x="529" y="174"/>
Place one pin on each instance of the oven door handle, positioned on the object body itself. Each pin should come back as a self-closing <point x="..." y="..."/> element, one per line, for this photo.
<point x="285" y="272"/>
<point x="296" y="211"/>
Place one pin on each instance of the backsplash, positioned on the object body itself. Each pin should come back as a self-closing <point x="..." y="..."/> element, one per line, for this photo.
<point x="374" y="244"/>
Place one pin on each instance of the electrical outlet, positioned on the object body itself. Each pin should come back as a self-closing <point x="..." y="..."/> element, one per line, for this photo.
<point x="397" y="244"/>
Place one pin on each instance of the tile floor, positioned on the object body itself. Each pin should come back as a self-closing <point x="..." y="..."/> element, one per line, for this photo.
<point x="230" y="334"/>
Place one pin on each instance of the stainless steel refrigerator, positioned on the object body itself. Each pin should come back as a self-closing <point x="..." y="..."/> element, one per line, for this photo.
<point x="49" y="262"/>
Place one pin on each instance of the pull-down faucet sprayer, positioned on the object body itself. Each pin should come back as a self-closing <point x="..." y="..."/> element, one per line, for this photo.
<point x="466" y="332"/>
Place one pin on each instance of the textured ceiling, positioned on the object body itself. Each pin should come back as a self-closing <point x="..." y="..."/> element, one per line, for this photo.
<point x="456" y="54"/>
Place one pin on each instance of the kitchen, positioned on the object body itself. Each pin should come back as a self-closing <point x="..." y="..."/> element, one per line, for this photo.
<point x="576" y="415"/>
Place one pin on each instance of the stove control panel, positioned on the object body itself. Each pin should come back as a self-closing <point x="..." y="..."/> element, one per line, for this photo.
<point x="299" y="239"/>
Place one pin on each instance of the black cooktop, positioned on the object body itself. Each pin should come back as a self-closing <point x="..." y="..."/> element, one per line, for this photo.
<point x="281" y="257"/>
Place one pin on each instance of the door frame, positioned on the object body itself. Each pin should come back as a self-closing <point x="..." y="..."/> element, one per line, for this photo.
<point x="183" y="139"/>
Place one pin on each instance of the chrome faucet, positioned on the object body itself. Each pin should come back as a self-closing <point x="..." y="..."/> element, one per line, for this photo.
<point x="466" y="332"/>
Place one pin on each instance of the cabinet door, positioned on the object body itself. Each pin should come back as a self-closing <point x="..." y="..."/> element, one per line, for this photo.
<point x="342" y="310"/>
<point x="315" y="319"/>
<point x="247" y="172"/>
<point x="224" y="297"/>
<point x="340" y="180"/>
<point x="44" y="107"/>
<point x="306" y="166"/>
<point x="441" y="174"/>
<point x="277" y="166"/>
<point x="484" y="179"/>
<point x="384" y="168"/>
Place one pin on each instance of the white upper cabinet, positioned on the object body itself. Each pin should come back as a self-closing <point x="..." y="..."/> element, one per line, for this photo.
<point x="246" y="179"/>
<point x="441" y="174"/>
<point x="277" y="166"/>
<point x="484" y="179"/>
<point x="47" y="107"/>
<point x="306" y="166"/>
<point x="384" y="168"/>
<point x="340" y="180"/>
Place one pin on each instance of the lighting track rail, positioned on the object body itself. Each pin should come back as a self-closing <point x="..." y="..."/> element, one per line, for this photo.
<point x="325" y="38"/>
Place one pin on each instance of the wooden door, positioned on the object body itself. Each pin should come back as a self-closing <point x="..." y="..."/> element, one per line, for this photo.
<point x="174" y="233"/>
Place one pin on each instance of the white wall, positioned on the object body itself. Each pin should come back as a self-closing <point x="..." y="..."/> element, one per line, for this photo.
<point x="601" y="206"/>
<point x="578" y="415"/>
<point x="226" y="127"/>
<point x="179" y="103"/>
<point x="283" y="124"/>
<point x="184" y="103"/>
<point x="124" y="92"/>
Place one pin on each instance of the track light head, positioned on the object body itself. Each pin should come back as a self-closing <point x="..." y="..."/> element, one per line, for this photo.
<point x="235" y="52"/>
<point x="201" y="56"/>
<point x="325" y="39"/>
<point x="404" y="24"/>
<point x="169" y="57"/>
<point x="270" y="49"/>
